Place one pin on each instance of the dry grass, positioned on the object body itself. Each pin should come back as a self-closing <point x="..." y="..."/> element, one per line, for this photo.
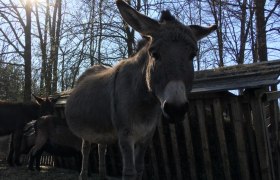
<point x="47" y="173"/>
<point x="22" y="173"/>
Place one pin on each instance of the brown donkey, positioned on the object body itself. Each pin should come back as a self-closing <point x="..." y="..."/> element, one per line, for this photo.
<point x="124" y="104"/>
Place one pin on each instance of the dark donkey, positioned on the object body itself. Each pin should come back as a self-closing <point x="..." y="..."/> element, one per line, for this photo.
<point x="125" y="103"/>
<point x="14" y="116"/>
<point x="46" y="135"/>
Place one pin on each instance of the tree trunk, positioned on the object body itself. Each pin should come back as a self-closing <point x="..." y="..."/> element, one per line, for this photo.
<point x="56" y="47"/>
<point x="261" y="31"/>
<point x="91" y="26"/>
<point x="217" y="14"/>
<point x="252" y="32"/>
<point x="27" y="53"/>
<point x="99" y="59"/>
<point x="43" y="45"/>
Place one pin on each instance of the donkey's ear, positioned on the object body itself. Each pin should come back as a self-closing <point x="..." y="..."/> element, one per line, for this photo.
<point x="38" y="99"/>
<point x="201" y="32"/>
<point x="138" y="21"/>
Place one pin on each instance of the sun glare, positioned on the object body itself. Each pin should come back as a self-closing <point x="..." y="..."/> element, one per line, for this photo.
<point x="31" y="1"/>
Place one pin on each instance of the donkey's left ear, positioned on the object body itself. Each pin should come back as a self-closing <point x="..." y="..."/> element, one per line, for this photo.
<point x="38" y="99"/>
<point x="138" y="21"/>
<point x="201" y="32"/>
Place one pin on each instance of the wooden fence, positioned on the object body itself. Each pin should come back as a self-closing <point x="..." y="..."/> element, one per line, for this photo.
<point x="223" y="137"/>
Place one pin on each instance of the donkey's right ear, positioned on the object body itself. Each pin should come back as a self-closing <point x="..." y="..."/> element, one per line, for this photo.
<point x="201" y="32"/>
<point x="138" y="21"/>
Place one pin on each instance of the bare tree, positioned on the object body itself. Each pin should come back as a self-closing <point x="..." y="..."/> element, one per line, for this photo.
<point x="217" y="12"/>
<point x="10" y="14"/>
<point x="261" y="30"/>
<point x="43" y="41"/>
<point x="52" y="78"/>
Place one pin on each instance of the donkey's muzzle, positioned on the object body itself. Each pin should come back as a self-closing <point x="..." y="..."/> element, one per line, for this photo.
<point x="174" y="113"/>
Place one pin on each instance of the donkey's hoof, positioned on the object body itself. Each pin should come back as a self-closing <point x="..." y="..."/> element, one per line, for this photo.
<point x="103" y="178"/>
<point x="83" y="177"/>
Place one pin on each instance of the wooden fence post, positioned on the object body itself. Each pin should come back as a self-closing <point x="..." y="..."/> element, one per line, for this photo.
<point x="221" y="136"/>
<point x="261" y="136"/>
<point x="175" y="150"/>
<point x="238" y="124"/>
<point x="189" y="144"/>
<point x="205" y="146"/>
<point x="164" y="153"/>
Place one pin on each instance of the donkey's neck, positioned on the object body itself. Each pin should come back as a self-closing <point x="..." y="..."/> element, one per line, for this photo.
<point x="141" y="63"/>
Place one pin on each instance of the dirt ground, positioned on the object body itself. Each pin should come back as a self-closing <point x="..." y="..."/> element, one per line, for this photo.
<point x="47" y="173"/>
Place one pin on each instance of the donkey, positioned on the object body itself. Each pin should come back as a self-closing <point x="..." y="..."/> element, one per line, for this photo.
<point x="14" y="116"/>
<point x="125" y="103"/>
<point x="54" y="139"/>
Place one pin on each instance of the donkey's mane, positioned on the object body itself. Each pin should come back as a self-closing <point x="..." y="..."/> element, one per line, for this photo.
<point x="167" y="16"/>
<point x="141" y="43"/>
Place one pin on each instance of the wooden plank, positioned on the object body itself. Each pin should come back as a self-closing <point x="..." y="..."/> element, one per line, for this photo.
<point x="175" y="151"/>
<point x="240" y="70"/>
<point x="270" y="133"/>
<point x="164" y="151"/>
<point x="223" y="76"/>
<point x="238" y="122"/>
<point x="270" y="96"/>
<point x="261" y="138"/>
<point x="189" y="144"/>
<point x="275" y="120"/>
<point x="204" y="139"/>
<point x="214" y="86"/>
<point x="251" y="141"/>
<point x="221" y="137"/>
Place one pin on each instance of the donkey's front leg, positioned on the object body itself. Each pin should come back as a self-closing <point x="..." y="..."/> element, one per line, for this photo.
<point x="17" y="143"/>
<point x="127" y="149"/>
<point x="140" y="152"/>
<point x="102" y="160"/>
<point x="10" y="158"/>
<point x="85" y="153"/>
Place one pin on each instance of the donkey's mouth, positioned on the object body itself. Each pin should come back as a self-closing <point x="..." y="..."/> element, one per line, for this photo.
<point x="174" y="113"/>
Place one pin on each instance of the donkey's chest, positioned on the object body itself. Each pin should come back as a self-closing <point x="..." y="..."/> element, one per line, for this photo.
<point x="144" y="125"/>
<point x="141" y="131"/>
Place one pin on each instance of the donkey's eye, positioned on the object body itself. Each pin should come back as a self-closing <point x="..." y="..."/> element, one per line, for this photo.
<point x="154" y="53"/>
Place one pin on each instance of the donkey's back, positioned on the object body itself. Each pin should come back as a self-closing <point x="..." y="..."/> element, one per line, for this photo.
<point x="88" y="111"/>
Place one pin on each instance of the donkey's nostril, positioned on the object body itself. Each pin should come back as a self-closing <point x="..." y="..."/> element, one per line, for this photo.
<point x="175" y="111"/>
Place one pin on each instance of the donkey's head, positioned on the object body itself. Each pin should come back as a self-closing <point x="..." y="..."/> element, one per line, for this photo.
<point x="46" y="105"/>
<point x="171" y="48"/>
